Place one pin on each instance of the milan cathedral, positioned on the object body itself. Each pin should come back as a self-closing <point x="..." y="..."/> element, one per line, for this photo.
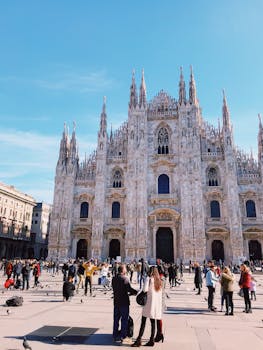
<point x="166" y="184"/>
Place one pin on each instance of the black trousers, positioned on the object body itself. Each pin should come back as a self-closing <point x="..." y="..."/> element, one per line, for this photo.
<point x="247" y="299"/>
<point x="229" y="301"/>
<point x="211" y="291"/>
<point x="142" y="328"/>
<point x="88" y="281"/>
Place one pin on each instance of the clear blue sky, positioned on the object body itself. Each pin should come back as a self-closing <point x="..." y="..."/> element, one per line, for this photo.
<point x="60" y="57"/>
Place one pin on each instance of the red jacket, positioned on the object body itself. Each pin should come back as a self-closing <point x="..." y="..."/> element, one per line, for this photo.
<point x="245" y="280"/>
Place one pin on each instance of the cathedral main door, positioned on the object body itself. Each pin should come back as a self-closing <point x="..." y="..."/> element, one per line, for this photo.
<point x="255" y="251"/>
<point x="82" y="249"/>
<point x="164" y="244"/>
<point x="218" y="250"/>
<point x="114" y="248"/>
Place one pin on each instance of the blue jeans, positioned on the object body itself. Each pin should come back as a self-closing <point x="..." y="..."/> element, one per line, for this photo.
<point x="142" y="279"/>
<point x="120" y="312"/>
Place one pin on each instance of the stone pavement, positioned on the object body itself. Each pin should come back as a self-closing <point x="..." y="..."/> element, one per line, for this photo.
<point x="187" y="323"/>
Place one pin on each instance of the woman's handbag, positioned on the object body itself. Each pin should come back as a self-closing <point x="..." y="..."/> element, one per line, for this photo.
<point x="241" y="293"/>
<point x="141" y="298"/>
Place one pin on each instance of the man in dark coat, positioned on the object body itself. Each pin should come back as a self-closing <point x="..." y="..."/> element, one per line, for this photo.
<point x="68" y="288"/>
<point x="121" y="291"/>
<point x="198" y="278"/>
<point x="26" y="274"/>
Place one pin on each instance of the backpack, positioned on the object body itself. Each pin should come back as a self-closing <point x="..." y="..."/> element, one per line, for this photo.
<point x="81" y="270"/>
<point x="17" y="284"/>
<point x="14" y="301"/>
<point x="8" y="283"/>
<point x="71" y="270"/>
<point x="130" y="327"/>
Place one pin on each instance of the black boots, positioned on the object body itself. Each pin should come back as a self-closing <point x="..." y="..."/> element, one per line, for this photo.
<point x="159" y="337"/>
<point x="137" y="343"/>
<point x="150" y="342"/>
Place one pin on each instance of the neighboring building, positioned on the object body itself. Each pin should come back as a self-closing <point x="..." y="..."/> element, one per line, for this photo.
<point x="40" y="229"/>
<point x="15" y="223"/>
<point x="165" y="185"/>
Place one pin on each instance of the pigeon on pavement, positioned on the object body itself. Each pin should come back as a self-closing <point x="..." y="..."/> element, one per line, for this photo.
<point x="26" y="345"/>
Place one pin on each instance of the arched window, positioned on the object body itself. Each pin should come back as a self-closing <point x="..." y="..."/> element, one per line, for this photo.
<point x="212" y="177"/>
<point x="251" y="209"/>
<point x="84" y="210"/>
<point x="117" y="179"/>
<point x="215" y="209"/>
<point x="115" y="210"/>
<point x="163" y="141"/>
<point x="163" y="184"/>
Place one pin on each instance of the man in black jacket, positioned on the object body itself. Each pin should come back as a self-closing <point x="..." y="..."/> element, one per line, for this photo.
<point x="121" y="291"/>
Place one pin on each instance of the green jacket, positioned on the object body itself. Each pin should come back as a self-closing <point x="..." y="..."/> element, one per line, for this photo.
<point x="227" y="282"/>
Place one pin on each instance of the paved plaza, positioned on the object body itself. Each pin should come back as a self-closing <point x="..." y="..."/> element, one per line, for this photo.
<point x="187" y="323"/>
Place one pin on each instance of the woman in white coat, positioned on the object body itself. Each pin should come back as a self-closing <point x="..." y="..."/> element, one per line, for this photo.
<point x="152" y="309"/>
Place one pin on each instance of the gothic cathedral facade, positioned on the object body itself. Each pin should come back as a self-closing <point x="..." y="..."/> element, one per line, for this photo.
<point x="166" y="184"/>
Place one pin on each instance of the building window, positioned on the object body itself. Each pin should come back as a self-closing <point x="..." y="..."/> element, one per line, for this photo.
<point x="163" y="141"/>
<point x="36" y="214"/>
<point x="115" y="210"/>
<point x="35" y="222"/>
<point x="212" y="177"/>
<point x="84" y="210"/>
<point x="215" y="209"/>
<point x="163" y="184"/>
<point x="117" y="179"/>
<point x="251" y="209"/>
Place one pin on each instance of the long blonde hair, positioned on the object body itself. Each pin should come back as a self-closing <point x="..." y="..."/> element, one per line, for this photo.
<point x="156" y="278"/>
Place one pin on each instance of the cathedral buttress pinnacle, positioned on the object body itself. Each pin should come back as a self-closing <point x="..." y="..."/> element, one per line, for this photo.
<point x="192" y="88"/>
<point x="103" y="119"/>
<point x="226" y="114"/>
<point x="73" y="143"/>
<point x="64" y="145"/>
<point x="260" y="139"/>
<point x="133" y="93"/>
<point x="142" y="101"/>
<point x="182" y="92"/>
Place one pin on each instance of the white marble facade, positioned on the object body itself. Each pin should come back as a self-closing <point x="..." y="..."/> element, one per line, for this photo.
<point x="166" y="184"/>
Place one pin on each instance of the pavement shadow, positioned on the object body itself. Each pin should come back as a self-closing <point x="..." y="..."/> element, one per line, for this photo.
<point x="185" y="311"/>
<point x="101" y="339"/>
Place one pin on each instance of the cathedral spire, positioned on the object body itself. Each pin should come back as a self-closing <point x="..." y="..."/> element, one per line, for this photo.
<point x="182" y="93"/>
<point x="192" y="88"/>
<point x="103" y="118"/>
<point x="133" y="93"/>
<point x="260" y="122"/>
<point x="226" y="114"/>
<point x="142" y="102"/>
<point x="73" y="143"/>
<point x="63" y="153"/>
<point x="260" y="140"/>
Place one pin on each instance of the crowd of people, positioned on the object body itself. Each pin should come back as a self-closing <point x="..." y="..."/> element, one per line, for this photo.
<point x="151" y="279"/>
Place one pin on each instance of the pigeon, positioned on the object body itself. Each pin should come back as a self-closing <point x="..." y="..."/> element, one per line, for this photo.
<point x="81" y="300"/>
<point x="26" y="345"/>
<point x="47" y="294"/>
<point x="8" y="312"/>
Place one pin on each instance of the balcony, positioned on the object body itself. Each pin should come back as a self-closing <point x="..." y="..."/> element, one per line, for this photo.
<point x="216" y="221"/>
<point x="212" y="155"/>
<point x="164" y="198"/>
<point x="16" y="237"/>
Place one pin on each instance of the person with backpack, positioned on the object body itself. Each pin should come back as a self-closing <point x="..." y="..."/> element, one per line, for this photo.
<point x="121" y="291"/>
<point x="65" y="271"/>
<point x="68" y="289"/>
<point x="26" y="275"/>
<point x="80" y="273"/>
<point x="36" y="273"/>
